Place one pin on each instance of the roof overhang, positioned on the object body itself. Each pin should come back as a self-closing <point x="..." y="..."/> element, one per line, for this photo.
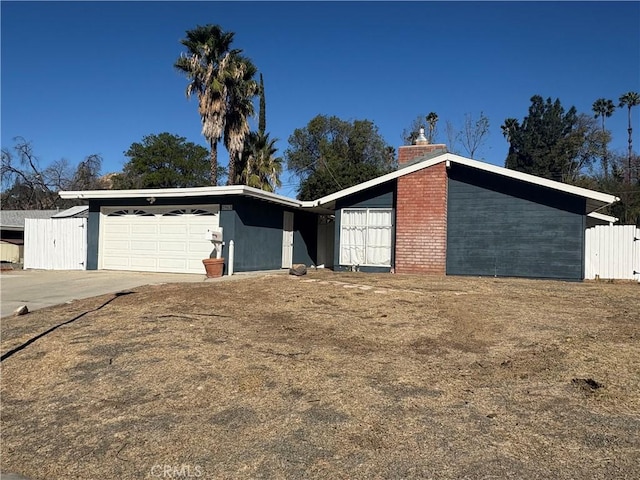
<point x="149" y="193"/>
<point x="12" y="228"/>
<point x="594" y="200"/>
<point x="603" y="217"/>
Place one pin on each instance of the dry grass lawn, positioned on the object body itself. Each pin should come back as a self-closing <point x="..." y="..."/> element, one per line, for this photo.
<point x="330" y="376"/>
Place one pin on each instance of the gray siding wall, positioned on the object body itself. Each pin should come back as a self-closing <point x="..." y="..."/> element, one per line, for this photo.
<point x="255" y="227"/>
<point x="503" y="227"/>
<point x="381" y="196"/>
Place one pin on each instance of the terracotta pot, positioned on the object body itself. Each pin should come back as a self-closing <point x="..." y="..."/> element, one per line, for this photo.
<point x="214" y="267"/>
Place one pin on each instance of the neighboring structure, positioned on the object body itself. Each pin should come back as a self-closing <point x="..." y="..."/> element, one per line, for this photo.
<point x="12" y="232"/>
<point x="439" y="213"/>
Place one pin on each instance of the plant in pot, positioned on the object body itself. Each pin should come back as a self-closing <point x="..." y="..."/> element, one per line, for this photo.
<point x="214" y="265"/>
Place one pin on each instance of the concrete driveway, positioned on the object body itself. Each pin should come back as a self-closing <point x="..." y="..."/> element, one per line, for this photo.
<point x="44" y="288"/>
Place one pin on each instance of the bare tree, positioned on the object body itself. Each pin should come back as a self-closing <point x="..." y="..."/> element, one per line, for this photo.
<point x="474" y="133"/>
<point x="26" y="185"/>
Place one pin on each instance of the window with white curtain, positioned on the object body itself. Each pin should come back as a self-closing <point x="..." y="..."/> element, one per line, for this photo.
<point x="365" y="236"/>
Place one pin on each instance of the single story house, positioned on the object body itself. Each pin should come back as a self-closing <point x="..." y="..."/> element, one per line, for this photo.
<point x="438" y="213"/>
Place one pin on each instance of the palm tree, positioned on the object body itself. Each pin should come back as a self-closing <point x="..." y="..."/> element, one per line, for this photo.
<point x="432" y="119"/>
<point x="629" y="99"/>
<point x="259" y="167"/>
<point x="211" y="67"/>
<point x="603" y="108"/>
<point x="242" y="89"/>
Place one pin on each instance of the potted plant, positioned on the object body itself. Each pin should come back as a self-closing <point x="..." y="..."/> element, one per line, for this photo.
<point x="214" y="265"/>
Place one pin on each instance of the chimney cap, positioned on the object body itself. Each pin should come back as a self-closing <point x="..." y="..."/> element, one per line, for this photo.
<point x="421" y="140"/>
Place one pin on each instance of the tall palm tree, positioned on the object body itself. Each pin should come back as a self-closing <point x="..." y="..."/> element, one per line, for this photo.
<point x="629" y="99"/>
<point x="603" y="108"/>
<point x="432" y="119"/>
<point x="208" y="65"/>
<point x="242" y="89"/>
<point x="259" y="167"/>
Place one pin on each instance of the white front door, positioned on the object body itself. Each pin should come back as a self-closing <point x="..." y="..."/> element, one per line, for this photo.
<point x="156" y="239"/>
<point x="287" y="240"/>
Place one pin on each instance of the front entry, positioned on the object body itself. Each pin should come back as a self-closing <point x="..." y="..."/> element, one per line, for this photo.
<point x="287" y="240"/>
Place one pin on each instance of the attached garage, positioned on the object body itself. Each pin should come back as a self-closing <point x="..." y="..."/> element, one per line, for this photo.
<point x="164" y="230"/>
<point x="156" y="239"/>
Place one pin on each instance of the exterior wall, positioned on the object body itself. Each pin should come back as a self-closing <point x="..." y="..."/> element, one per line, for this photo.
<point x="10" y="252"/>
<point x="421" y="221"/>
<point x="305" y="238"/>
<point x="503" y="227"/>
<point x="255" y="226"/>
<point x="381" y="196"/>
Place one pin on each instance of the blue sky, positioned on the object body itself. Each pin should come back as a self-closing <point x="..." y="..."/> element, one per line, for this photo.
<point x="93" y="77"/>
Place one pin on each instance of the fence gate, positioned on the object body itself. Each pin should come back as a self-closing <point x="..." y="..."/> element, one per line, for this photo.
<point x="55" y="243"/>
<point x="612" y="252"/>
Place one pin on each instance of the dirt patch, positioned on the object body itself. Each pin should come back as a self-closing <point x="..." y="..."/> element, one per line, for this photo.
<point x="328" y="375"/>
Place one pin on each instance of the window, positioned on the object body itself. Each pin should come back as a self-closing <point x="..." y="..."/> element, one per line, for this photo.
<point x="365" y="236"/>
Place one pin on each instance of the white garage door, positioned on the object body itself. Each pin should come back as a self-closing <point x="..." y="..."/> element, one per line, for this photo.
<point x="156" y="239"/>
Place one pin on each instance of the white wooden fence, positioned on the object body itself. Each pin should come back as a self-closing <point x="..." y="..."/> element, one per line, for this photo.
<point x="55" y="243"/>
<point x="612" y="252"/>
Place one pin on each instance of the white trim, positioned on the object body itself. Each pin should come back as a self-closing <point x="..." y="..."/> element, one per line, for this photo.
<point x="449" y="158"/>
<point x="603" y="217"/>
<point x="185" y="192"/>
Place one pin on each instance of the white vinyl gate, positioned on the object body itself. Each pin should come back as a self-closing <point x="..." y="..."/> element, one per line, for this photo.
<point x="612" y="252"/>
<point x="55" y="243"/>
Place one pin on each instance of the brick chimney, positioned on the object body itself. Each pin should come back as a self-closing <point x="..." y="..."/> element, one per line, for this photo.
<point x="421" y="147"/>
<point x="421" y="212"/>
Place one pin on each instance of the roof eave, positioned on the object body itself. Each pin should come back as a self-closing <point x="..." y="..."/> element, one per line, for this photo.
<point x="180" y="193"/>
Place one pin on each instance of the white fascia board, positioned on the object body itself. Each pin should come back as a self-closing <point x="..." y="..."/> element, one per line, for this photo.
<point x="378" y="180"/>
<point x="181" y="193"/>
<point x="449" y="158"/>
<point x="525" y="177"/>
<point x="603" y="217"/>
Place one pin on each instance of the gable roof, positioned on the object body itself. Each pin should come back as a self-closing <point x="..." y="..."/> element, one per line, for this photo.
<point x="595" y="200"/>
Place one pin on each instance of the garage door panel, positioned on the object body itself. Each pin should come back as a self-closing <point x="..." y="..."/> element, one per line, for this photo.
<point x="172" y="247"/>
<point x="117" y="262"/>
<point x="173" y="264"/>
<point x="162" y="239"/>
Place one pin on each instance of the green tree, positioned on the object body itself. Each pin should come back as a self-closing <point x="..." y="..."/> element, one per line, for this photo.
<point x="164" y="161"/>
<point x="330" y="154"/>
<point x="410" y="134"/>
<point x="548" y="142"/>
<point x="603" y="108"/>
<point x="242" y="90"/>
<point x="219" y="76"/>
<point x="258" y="165"/>
<point x="262" y="118"/>
<point x="432" y="120"/>
<point x="629" y="100"/>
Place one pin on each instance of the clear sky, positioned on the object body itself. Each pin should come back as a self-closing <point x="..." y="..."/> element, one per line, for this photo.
<point x="93" y="77"/>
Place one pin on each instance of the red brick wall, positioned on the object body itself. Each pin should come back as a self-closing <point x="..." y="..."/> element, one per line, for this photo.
<point x="407" y="153"/>
<point x="421" y="221"/>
